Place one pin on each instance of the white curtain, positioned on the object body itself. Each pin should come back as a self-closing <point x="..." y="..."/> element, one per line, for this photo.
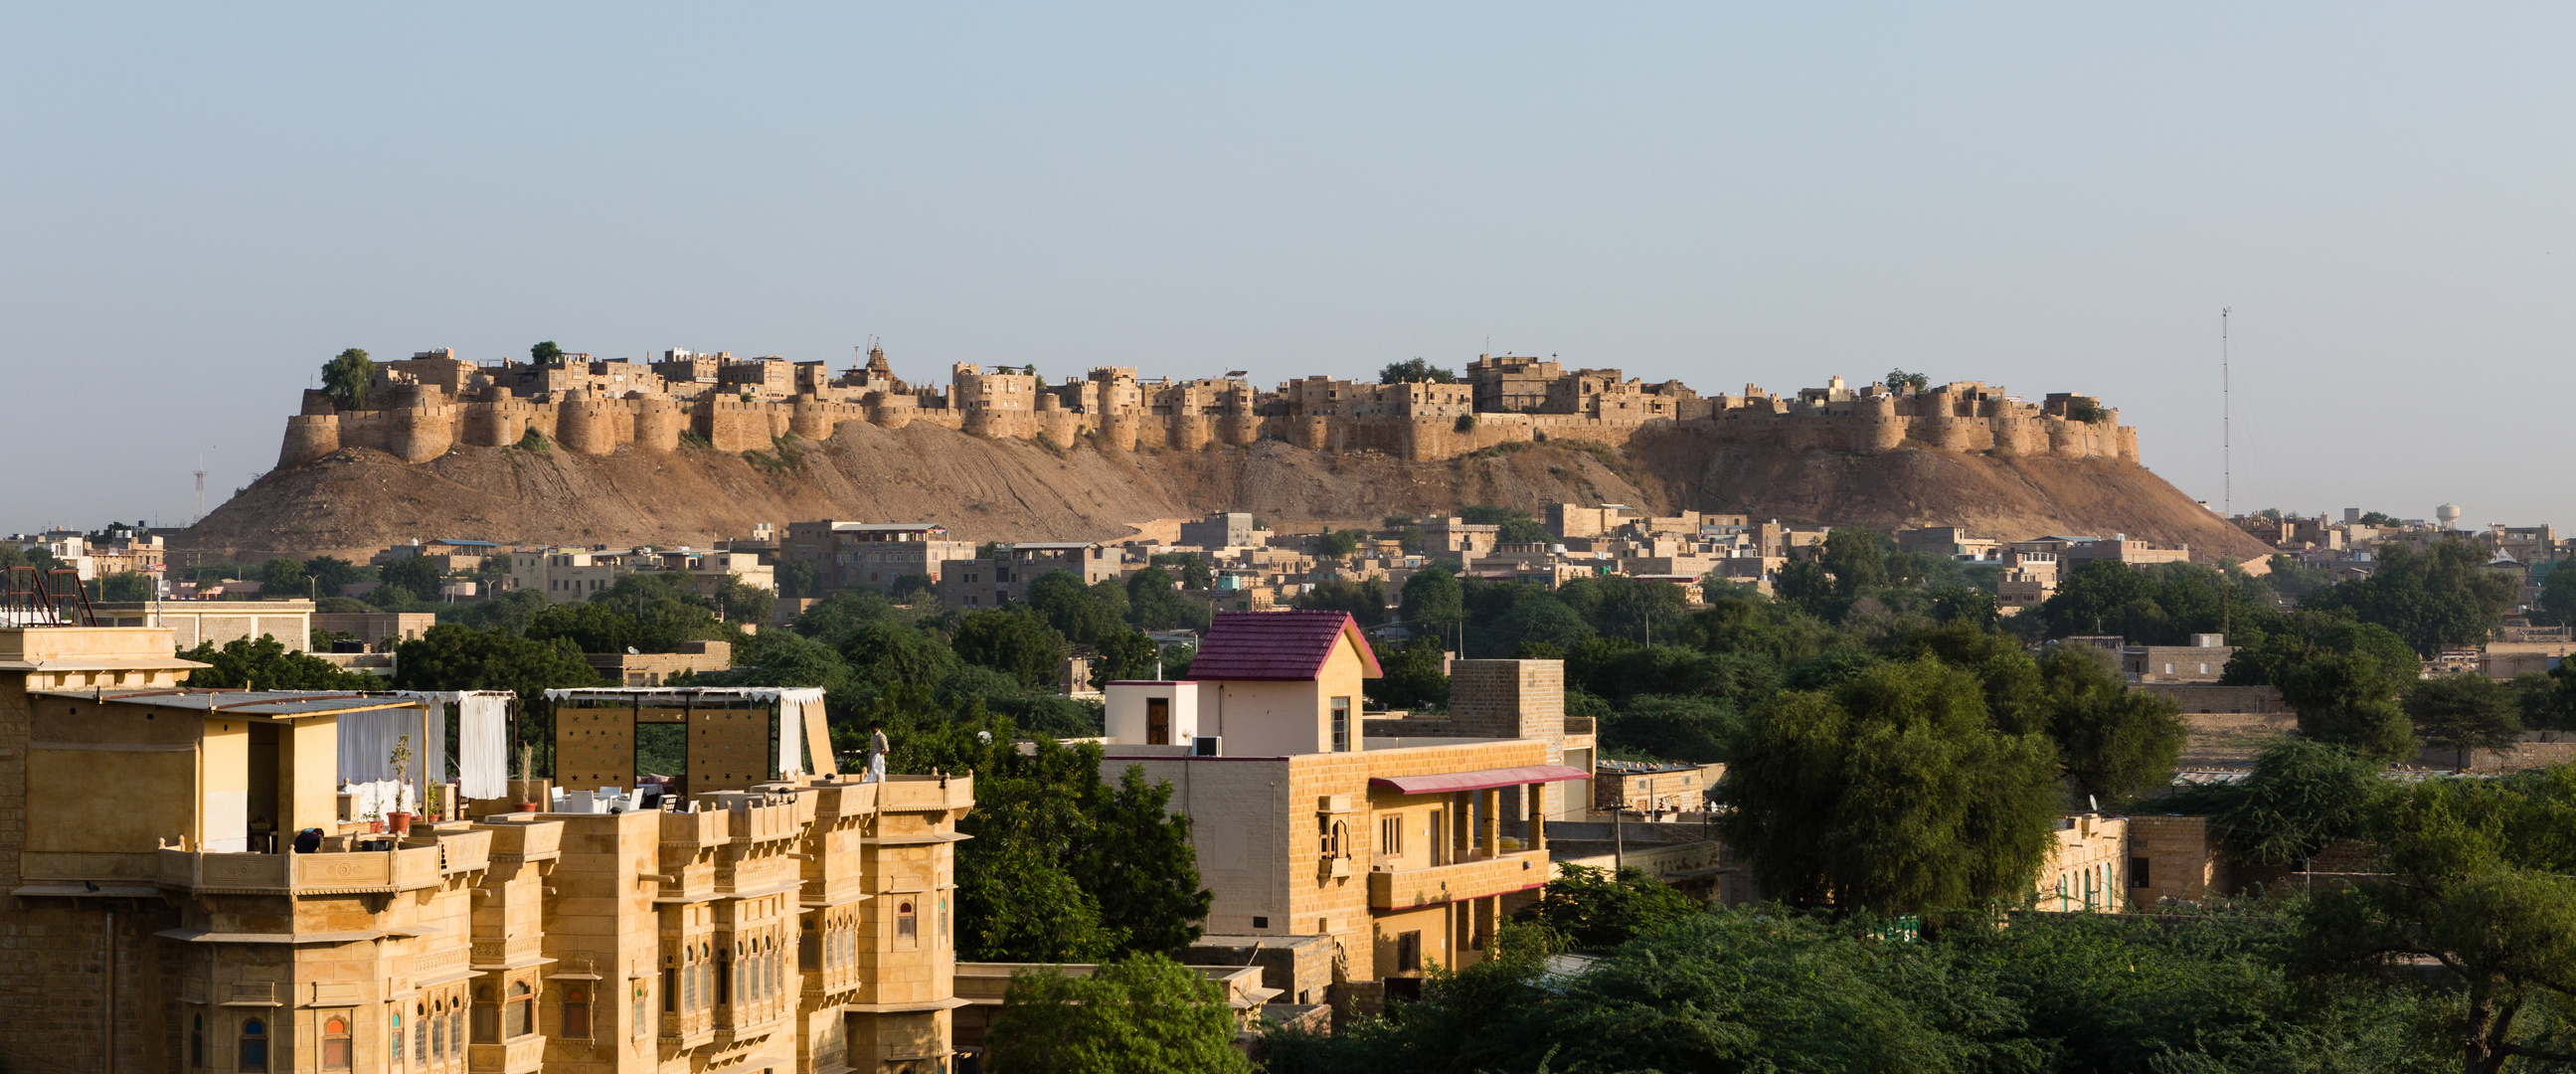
<point x="482" y="746"/>
<point x="367" y="744"/>
<point x="793" y="704"/>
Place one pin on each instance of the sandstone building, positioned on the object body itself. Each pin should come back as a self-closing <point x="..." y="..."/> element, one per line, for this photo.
<point x="157" y="913"/>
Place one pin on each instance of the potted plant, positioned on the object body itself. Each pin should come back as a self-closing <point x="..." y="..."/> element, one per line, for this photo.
<point x="530" y="796"/>
<point x="401" y="759"/>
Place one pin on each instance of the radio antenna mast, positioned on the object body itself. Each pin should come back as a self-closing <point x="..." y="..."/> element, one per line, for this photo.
<point x="2226" y="422"/>
<point x="200" y="516"/>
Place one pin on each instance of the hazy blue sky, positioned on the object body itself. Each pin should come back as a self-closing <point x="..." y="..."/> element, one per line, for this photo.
<point x="205" y="202"/>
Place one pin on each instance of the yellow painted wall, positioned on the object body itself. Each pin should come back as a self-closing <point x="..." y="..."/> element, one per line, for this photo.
<point x="1264" y="719"/>
<point x="108" y="802"/>
<point x="223" y="779"/>
<point x="308" y="769"/>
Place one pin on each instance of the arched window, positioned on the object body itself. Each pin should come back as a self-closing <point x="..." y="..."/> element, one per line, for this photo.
<point x="643" y="1004"/>
<point x="335" y="1044"/>
<point x="487" y="1015"/>
<point x="689" y="985"/>
<point x="254" y="1046"/>
<point x="521" y="1019"/>
<point x="197" y="1043"/>
<point x="576" y="1013"/>
<point x="907" y="923"/>
<point x="395" y="1050"/>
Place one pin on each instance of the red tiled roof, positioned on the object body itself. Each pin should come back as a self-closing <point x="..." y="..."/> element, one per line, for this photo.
<point x="1479" y="780"/>
<point x="1277" y="646"/>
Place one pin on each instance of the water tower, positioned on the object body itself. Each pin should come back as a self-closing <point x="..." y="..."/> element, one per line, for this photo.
<point x="2449" y="515"/>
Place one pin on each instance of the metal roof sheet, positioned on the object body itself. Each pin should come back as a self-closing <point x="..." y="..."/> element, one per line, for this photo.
<point x="245" y="702"/>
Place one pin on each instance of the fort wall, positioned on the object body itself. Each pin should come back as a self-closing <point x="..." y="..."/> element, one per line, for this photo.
<point x="422" y="422"/>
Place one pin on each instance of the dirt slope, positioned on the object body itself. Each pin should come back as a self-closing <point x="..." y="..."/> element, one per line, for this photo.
<point x="358" y="501"/>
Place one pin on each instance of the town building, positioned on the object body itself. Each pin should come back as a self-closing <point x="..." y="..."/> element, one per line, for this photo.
<point x="995" y="580"/>
<point x="872" y="554"/>
<point x="567" y="575"/>
<point x="192" y="622"/>
<point x="1407" y="842"/>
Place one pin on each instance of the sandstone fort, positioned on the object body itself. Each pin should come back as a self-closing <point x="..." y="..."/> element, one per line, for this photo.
<point x="420" y="408"/>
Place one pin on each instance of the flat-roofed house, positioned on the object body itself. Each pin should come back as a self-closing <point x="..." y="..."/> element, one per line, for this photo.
<point x="1406" y="842"/>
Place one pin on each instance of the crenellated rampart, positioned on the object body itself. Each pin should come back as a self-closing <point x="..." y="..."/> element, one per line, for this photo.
<point x="417" y="423"/>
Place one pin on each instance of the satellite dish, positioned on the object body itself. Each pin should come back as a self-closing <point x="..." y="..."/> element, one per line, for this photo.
<point x="633" y="651"/>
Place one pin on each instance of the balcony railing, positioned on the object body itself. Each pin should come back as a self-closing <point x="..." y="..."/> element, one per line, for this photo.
<point x="402" y="869"/>
<point x="1398" y="889"/>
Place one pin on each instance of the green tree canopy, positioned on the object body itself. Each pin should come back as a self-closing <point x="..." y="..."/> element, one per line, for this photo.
<point x="454" y="657"/>
<point x="1430" y="601"/>
<point x="546" y="353"/>
<point x="2484" y="887"/>
<point x="1013" y="641"/>
<point x="1083" y="614"/>
<point x="2558" y="596"/>
<point x="2463" y="712"/>
<point x="1590" y="909"/>
<point x="2112" y="742"/>
<point x="1415" y="371"/>
<point x="346" y="377"/>
<point x="1154" y="603"/>
<point x="283" y="577"/>
<point x="1892" y="791"/>
<point x="1414" y="677"/>
<point x="420" y="574"/>
<point x="2440" y="598"/>
<point x="2301" y="796"/>
<point x="1365" y="599"/>
<point x="265" y="663"/>
<point x="1144" y="1014"/>
<point x="2350" y="700"/>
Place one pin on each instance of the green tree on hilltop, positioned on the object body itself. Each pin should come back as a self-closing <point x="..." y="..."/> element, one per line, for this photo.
<point x="346" y="377"/>
<point x="1415" y="371"/>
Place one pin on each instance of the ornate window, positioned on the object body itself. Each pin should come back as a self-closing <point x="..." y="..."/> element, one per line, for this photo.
<point x="521" y="1019"/>
<point x="576" y="1012"/>
<point x="253" y="1055"/>
<point x="487" y="1015"/>
<point x="907" y="923"/>
<point x="335" y="1044"/>
<point x="643" y="1003"/>
<point x="436" y="1025"/>
<point x="394" y="1042"/>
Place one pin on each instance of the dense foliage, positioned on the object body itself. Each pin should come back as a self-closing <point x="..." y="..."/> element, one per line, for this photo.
<point x="1144" y="1014"/>
<point x="1758" y="989"/>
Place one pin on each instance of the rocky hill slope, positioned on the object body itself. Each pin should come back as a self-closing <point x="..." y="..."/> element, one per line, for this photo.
<point x="355" y="501"/>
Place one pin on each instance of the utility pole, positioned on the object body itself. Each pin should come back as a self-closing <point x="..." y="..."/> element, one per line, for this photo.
<point x="2226" y="422"/>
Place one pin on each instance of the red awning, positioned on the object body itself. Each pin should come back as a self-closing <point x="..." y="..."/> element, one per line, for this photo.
<point x="1480" y="780"/>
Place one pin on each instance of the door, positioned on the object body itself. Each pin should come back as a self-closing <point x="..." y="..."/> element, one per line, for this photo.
<point x="1158" y="721"/>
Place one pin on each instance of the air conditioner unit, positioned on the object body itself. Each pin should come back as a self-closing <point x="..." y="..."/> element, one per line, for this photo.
<point x="1207" y="746"/>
